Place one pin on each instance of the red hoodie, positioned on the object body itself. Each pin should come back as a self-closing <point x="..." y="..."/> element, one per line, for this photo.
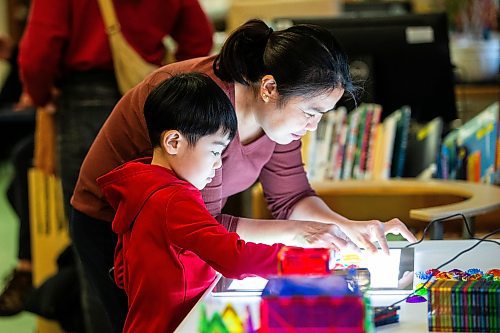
<point x="169" y="245"/>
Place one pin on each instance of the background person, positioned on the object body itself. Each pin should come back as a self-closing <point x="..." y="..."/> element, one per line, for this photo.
<point x="66" y="65"/>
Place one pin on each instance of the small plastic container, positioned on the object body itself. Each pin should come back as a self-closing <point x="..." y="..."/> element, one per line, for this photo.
<point x="312" y="314"/>
<point x="300" y="261"/>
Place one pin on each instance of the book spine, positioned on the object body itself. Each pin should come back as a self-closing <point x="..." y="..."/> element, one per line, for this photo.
<point x="370" y="155"/>
<point x="403" y="141"/>
<point x="337" y="142"/>
<point x="364" y="144"/>
<point x="350" y="144"/>
<point x="356" y="171"/>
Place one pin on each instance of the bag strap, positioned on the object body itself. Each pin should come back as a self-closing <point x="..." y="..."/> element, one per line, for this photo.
<point x="109" y="16"/>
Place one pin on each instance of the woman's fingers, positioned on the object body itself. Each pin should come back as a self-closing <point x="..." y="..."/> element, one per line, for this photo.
<point x="395" y="226"/>
<point x="378" y="233"/>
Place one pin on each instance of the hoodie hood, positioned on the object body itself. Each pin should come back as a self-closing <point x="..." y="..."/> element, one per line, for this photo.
<point x="129" y="186"/>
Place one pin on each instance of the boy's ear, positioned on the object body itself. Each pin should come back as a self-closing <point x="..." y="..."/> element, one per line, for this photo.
<point x="170" y="141"/>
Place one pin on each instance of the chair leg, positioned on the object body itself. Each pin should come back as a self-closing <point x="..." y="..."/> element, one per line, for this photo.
<point x="437" y="230"/>
<point x="470" y="220"/>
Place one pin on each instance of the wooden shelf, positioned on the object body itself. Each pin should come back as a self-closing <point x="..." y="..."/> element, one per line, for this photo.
<point x="413" y="201"/>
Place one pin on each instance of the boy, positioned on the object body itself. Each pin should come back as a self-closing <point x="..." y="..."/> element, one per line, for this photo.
<point x="169" y="245"/>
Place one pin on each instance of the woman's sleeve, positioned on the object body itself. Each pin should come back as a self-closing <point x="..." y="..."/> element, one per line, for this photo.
<point x="191" y="227"/>
<point x="284" y="180"/>
<point x="40" y="50"/>
<point x="192" y="31"/>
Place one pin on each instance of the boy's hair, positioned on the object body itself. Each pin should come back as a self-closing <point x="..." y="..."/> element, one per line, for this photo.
<point x="192" y="104"/>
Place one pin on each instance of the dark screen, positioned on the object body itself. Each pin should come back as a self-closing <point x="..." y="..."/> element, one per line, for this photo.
<point x="397" y="60"/>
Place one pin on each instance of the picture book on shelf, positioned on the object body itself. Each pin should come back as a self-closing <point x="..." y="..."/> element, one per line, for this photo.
<point x="470" y="151"/>
<point x="423" y="149"/>
<point x="351" y="142"/>
<point x="389" y="123"/>
<point x="338" y="144"/>
<point x="400" y="142"/>
<point x="479" y="137"/>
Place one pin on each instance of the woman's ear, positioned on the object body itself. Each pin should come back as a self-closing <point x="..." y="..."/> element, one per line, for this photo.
<point x="268" y="88"/>
<point x="170" y="141"/>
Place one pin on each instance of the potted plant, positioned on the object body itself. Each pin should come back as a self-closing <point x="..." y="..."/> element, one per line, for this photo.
<point x="474" y="40"/>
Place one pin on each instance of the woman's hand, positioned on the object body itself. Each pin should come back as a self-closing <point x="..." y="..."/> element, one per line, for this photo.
<point x="357" y="234"/>
<point x="317" y="234"/>
<point x="364" y="233"/>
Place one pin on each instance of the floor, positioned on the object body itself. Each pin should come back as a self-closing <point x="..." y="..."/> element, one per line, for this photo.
<point x="24" y="322"/>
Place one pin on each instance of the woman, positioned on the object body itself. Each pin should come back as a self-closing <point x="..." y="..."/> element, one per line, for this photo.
<point x="280" y="83"/>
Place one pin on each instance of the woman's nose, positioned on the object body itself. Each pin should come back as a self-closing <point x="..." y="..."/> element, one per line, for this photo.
<point x="218" y="163"/>
<point x="313" y="122"/>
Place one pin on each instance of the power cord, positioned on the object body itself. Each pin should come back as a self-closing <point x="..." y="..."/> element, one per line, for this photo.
<point x="480" y="240"/>
<point x="442" y="219"/>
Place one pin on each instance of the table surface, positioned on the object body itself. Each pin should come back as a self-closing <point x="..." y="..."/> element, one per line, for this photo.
<point x="413" y="317"/>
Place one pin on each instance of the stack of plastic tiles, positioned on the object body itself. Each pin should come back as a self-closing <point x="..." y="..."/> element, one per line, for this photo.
<point x="464" y="306"/>
<point x="321" y="304"/>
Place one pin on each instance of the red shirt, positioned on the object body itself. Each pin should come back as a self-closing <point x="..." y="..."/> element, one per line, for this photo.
<point x="124" y="138"/>
<point x="167" y="259"/>
<point x="68" y="35"/>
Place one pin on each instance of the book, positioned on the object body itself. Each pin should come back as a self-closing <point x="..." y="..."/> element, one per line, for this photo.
<point x="479" y="135"/>
<point x="378" y="147"/>
<point x="400" y="142"/>
<point x="424" y="142"/>
<point x="338" y="150"/>
<point x="338" y="141"/>
<point x="447" y="163"/>
<point x="497" y="173"/>
<point x="360" y="139"/>
<point x="324" y="146"/>
<point x="350" y="148"/>
<point x="370" y="155"/>
<point x="387" y="149"/>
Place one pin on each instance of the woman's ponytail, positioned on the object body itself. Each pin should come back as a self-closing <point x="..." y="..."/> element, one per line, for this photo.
<point x="241" y="57"/>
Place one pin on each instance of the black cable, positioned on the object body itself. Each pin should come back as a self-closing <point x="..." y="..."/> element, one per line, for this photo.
<point x="464" y="218"/>
<point x="480" y="240"/>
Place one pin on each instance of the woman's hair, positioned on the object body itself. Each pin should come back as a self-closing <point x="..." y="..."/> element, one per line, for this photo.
<point x="191" y="103"/>
<point x="305" y="60"/>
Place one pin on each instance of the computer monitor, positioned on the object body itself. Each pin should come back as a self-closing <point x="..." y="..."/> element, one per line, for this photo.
<point x="399" y="60"/>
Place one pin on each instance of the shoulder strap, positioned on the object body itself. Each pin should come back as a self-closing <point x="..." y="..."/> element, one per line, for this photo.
<point x="109" y="16"/>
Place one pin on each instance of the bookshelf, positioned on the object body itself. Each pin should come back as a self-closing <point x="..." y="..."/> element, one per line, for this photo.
<point x="468" y="152"/>
<point x="474" y="97"/>
<point x="415" y="202"/>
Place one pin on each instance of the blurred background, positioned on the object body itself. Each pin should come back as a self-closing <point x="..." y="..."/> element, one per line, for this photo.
<point x="472" y="34"/>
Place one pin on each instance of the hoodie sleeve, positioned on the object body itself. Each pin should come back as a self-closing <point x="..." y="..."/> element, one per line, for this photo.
<point x="192" y="31"/>
<point x="41" y="47"/>
<point x="191" y="227"/>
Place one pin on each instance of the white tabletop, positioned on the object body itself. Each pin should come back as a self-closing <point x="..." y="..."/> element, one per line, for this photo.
<point x="413" y="317"/>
